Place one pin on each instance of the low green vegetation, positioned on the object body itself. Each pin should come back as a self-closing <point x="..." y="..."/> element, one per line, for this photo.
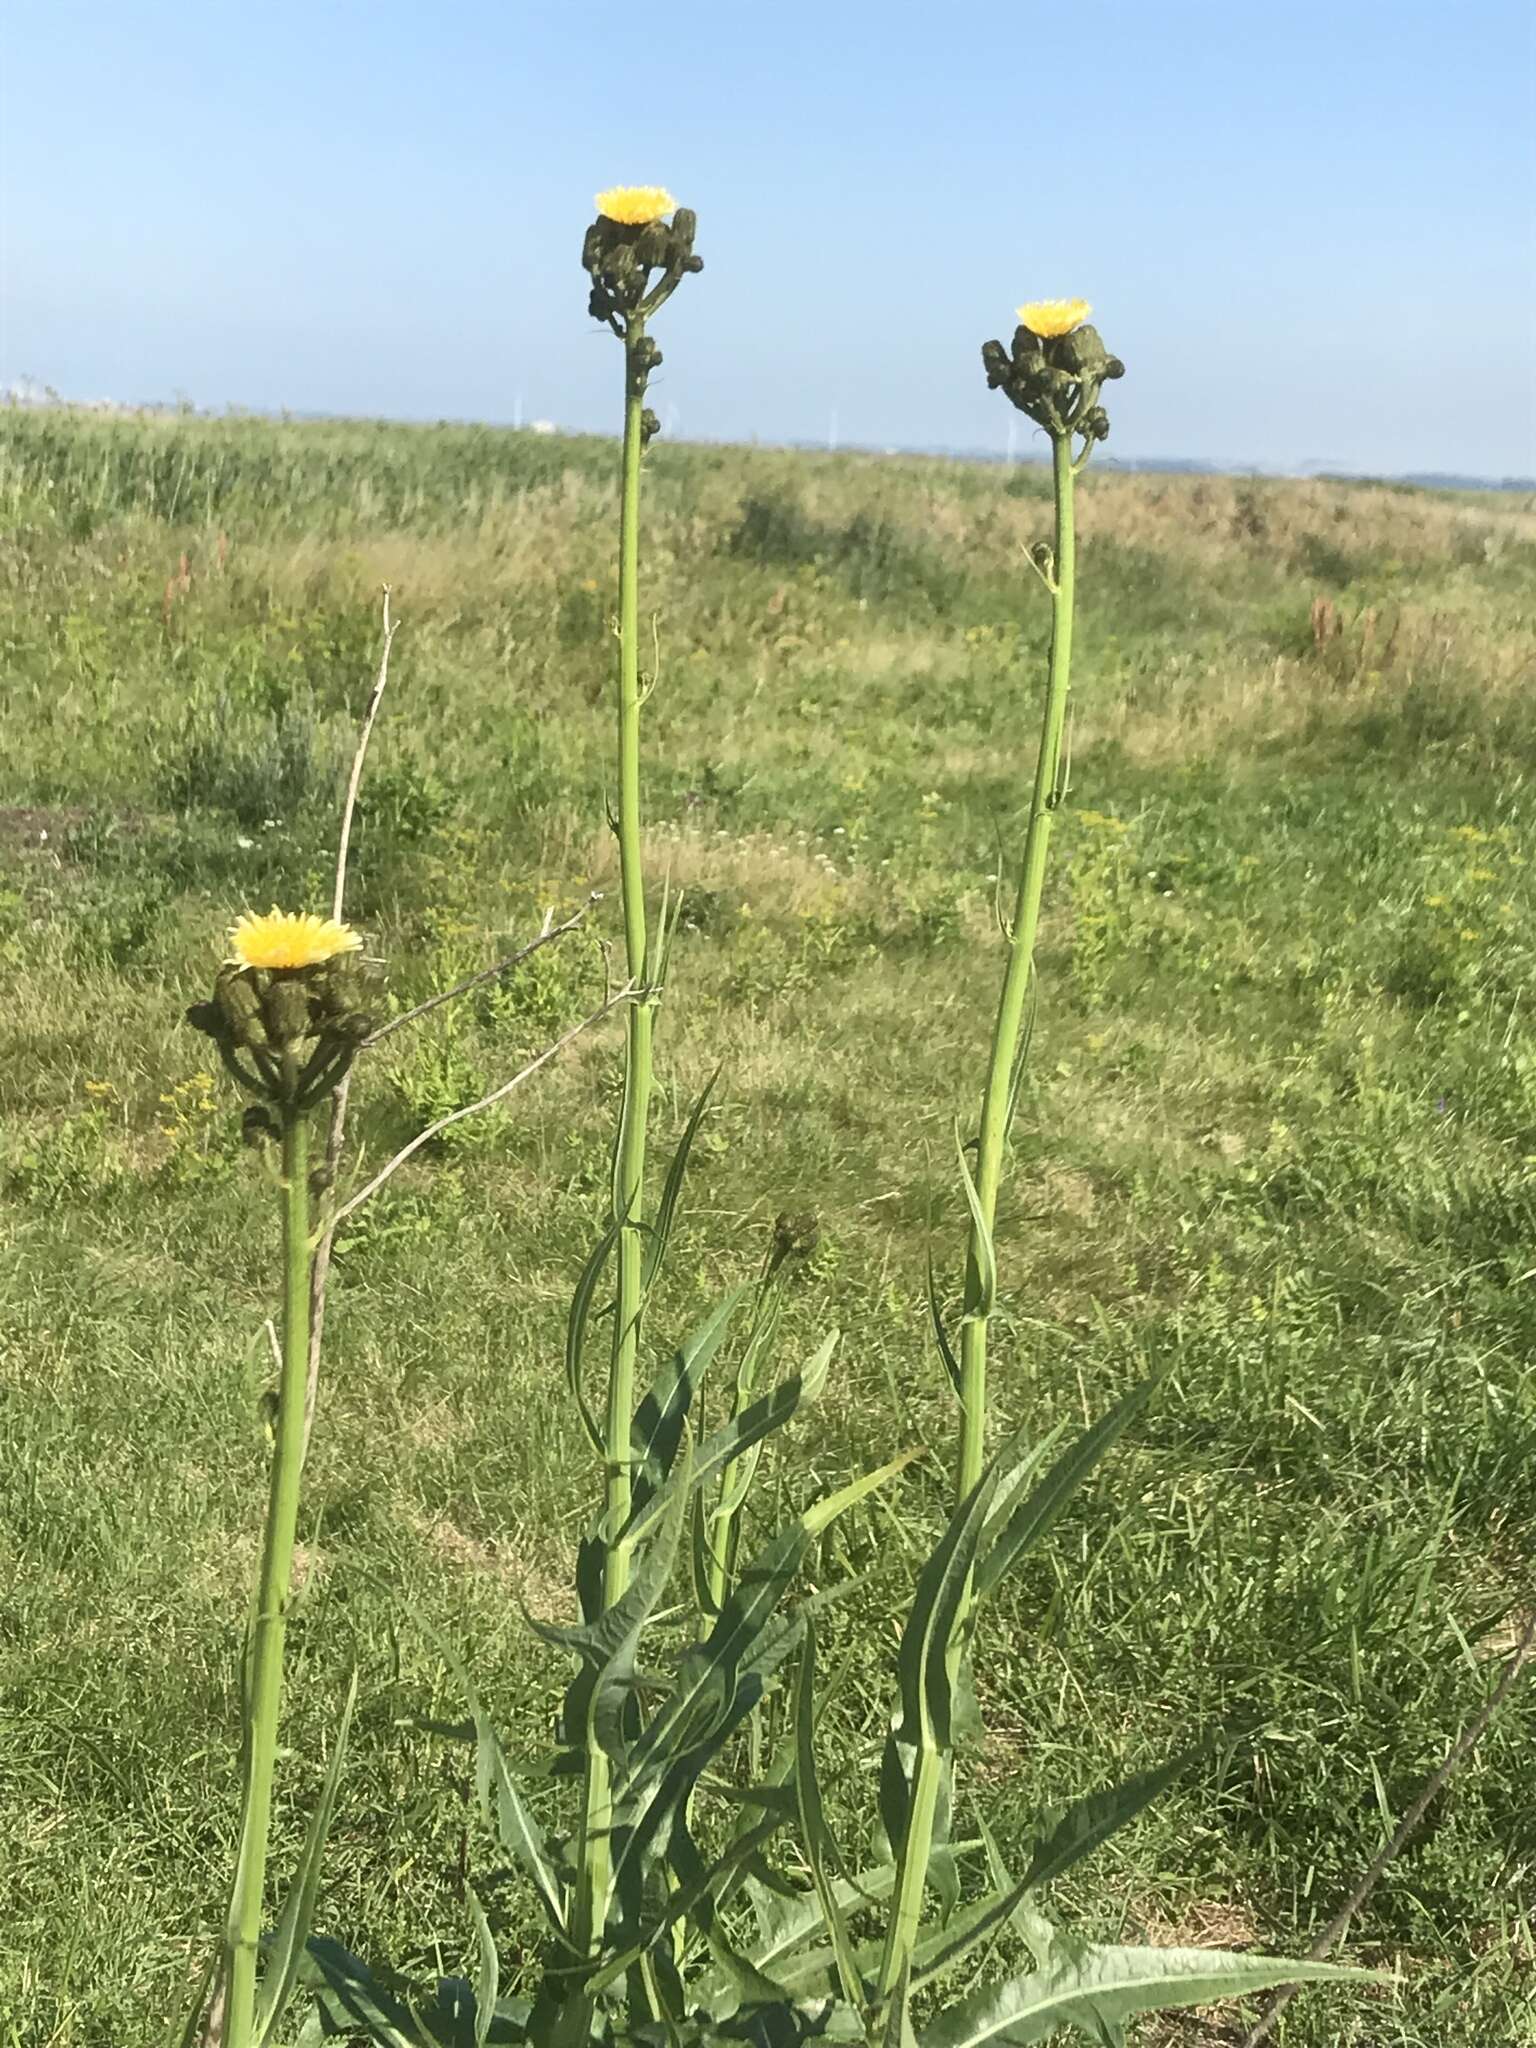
<point x="1278" y="1131"/>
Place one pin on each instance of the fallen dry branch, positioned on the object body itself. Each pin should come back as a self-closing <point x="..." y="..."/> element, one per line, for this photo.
<point x="1433" y="1786"/>
<point x="620" y="996"/>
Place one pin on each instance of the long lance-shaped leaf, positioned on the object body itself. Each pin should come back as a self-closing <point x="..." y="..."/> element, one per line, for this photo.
<point x="1013" y="1482"/>
<point x="285" y="1952"/>
<point x="643" y="1832"/>
<point x="593" y="1708"/>
<point x="745" y="1430"/>
<point x="940" y="1332"/>
<point x="501" y="1799"/>
<point x="660" y="1418"/>
<point x="1021" y="1056"/>
<point x="938" y="1609"/>
<point x="751" y="1421"/>
<point x="672" y="1188"/>
<point x="815" y="1835"/>
<point x="1085" y="1826"/>
<point x="488" y="1976"/>
<point x="915" y="1769"/>
<point x="576" y="1330"/>
<point x="609" y="1692"/>
<point x="1039" y="1511"/>
<point x="783" y="1940"/>
<point x="981" y="1277"/>
<point x="354" y="2001"/>
<point x="1097" y="1989"/>
<point x="738" y="1629"/>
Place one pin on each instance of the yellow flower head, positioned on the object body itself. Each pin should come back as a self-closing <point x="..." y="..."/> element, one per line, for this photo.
<point x="289" y="938"/>
<point x="634" y="205"/>
<point x="1048" y="317"/>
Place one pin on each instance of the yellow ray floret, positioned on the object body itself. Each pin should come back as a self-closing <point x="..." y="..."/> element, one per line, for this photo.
<point x="633" y="205"/>
<point x="1047" y="317"/>
<point x="289" y="938"/>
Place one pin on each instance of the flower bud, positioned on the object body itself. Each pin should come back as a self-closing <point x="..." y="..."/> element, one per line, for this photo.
<point x="258" y="1126"/>
<point x="240" y="1008"/>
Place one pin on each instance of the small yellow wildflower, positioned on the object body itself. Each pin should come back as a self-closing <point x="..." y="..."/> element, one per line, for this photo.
<point x="1482" y="875"/>
<point x="1049" y="317"/>
<point x="1468" y="935"/>
<point x="102" y="1091"/>
<point x="1471" y="834"/>
<point x="285" y="938"/>
<point x="1434" y="903"/>
<point x="634" y="205"/>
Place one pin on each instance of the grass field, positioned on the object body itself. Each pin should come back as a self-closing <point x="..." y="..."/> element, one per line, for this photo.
<point x="1280" y="1127"/>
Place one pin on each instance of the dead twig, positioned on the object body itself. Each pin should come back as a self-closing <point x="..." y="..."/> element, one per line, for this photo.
<point x="548" y="932"/>
<point x="623" y="995"/>
<point x="336" y="1133"/>
<point x="1454" y="1758"/>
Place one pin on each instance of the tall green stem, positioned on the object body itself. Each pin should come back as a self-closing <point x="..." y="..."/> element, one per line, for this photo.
<point x="916" y="1849"/>
<point x="264" y="1679"/>
<point x="997" y="1100"/>
<point x="629" y="1162"/>
<point x="629" y="1156"/>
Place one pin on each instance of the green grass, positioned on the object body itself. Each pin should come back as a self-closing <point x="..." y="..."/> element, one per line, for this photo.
<point x="1280" y="1127"/>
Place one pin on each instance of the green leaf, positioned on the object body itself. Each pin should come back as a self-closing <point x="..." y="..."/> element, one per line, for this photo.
<point x="815" y="1835"/>
<point x="285" y="1950"/>
<point x="595" y="1702"/>
<point x="518" y="1832"/>
<point x="1039" y="1511"/>
<point x="939" y="1606"/>
<point x="1021" y="1055"/>
<point x="488" y="1976"/>
<point x="940" y="1333"/>
<point x="576" y="1331"/>
<point x="672" y="1187"/>
<point x="660" y="1418"/>
<point x="188" y="2033"/>
<point x="981" y="1273"/>
<point x="787" y="1929"/>
<point x="724" y="1445"/>
<point x="354" y="2001"/>
<point x="1085" y="1826"/>
<point x="741" y="1643"/>
<point x="1095" y="1989"/>
<point x="825" y="1512"/>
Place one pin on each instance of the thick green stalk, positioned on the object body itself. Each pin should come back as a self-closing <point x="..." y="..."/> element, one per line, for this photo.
<point x="264" y="1688"/>
<point x="906" y="1914"/>
<point x="629" y="1164"/>
<point x="629" y="1157"/>
<point x="1011" y="1005"/>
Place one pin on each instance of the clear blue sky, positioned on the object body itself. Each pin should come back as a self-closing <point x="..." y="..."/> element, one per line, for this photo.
<point x="1307" y="228"/>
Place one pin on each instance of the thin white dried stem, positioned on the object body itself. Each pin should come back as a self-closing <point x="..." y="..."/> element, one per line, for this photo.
<point x="1454" y="1758"/>
<point x="354" y="780"/>
<point x="548" y="931"/>
<point x="336" y="1132"/>
<point x="623" y="995"/>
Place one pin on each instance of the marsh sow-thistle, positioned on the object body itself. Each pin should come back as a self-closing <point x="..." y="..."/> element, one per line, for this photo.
<point x="288" y="1019"/>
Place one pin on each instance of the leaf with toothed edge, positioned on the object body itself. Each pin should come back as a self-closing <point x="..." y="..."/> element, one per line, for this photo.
<point x="1096" y="1989"/>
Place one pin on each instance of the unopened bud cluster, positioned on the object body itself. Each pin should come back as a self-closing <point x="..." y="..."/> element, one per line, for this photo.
<point x="1055" y="378"/>
<point x="636" y="266"/>
<point x="286" y="1034"/>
